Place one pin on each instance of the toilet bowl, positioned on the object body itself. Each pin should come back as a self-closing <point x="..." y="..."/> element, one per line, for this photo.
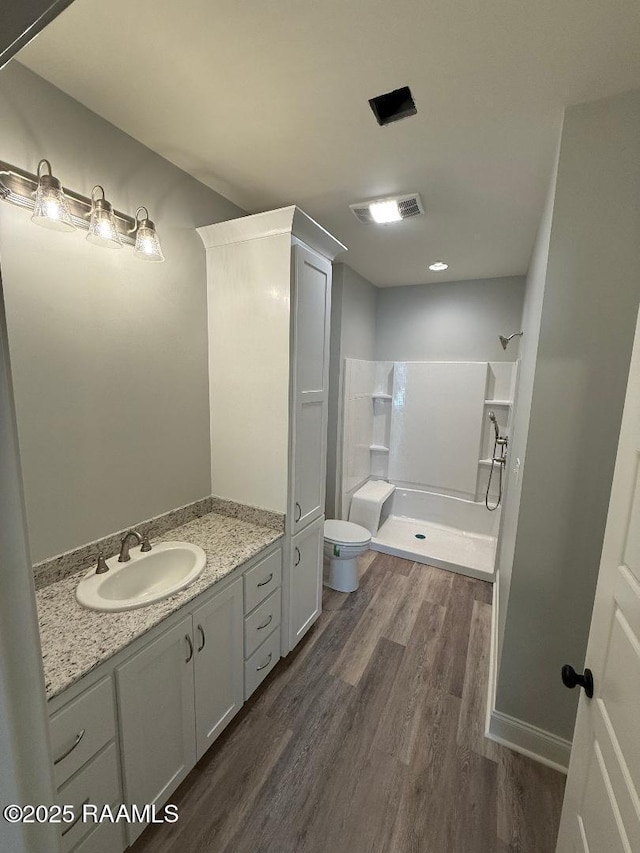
<point x="344" y="541"/>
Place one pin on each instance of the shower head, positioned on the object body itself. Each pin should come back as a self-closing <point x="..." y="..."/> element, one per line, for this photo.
<point x="505" y="341"/>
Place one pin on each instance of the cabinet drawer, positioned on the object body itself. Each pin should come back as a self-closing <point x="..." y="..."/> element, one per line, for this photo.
<point x="81" y="728"/>
<point x="99" y="784"/>
<point x="106" y="838"/>
<point x="261" y="622"/>
<point x="261" y="580"/>
<point x="261" y="662"/>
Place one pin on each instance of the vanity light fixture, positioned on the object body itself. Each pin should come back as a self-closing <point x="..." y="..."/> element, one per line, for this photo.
<point x="50" y="207"/>
<point x="438" y="266"/>
<point x="66" y="210"/>
<point x="147" y="246"/>
<point x="103" y="230"/>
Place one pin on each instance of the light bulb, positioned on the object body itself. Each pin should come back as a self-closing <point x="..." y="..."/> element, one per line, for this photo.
<point x="103" y="230"/>
<point x="50" y="209"/>
<point x="147" y="246"/>
<point x="383" y="212"/>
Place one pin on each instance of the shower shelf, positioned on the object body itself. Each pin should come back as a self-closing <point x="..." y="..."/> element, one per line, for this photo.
<point x="498" y="402"/>
<point x="377" y="396"/>
<point x="379" y="448"/>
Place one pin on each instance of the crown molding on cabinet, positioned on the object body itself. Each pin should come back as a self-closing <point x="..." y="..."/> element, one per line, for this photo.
<point x="285" y="220"/>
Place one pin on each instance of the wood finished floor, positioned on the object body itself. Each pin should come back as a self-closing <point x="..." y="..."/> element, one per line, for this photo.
<point x="369" y="737"/>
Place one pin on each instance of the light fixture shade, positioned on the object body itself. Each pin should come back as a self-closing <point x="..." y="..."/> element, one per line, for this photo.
<point x="103" y="230"/>
<point x="147" y="246"/>
<point x="50" y="208"/>
<point x="384" y="212"/>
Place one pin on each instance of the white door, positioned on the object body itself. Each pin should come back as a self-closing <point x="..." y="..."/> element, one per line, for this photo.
<point x="306" y="580"/>
<point x="312" y="305"/>
<point x="218" y="637"/>
<point x="601" y="812"/>
<point x="156" y="711"/>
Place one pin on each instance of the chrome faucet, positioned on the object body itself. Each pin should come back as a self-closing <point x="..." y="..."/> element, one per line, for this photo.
<point x="143" y="541"/>
<point x="101" y="566"/>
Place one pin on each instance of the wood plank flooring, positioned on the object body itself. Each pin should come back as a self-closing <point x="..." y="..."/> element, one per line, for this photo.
<point x="368" y="738"/>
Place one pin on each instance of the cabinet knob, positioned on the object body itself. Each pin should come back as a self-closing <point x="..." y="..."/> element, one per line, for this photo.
<point x="298" y="514"/>
<point x="202" y="637"/>
<point x="297" y="562"/>
<point x="571" y="679"/>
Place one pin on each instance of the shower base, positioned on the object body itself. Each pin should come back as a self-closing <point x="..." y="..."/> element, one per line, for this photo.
<point x="471" y="554"/>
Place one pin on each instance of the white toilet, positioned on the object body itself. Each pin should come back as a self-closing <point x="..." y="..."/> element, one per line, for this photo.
<point x="344" y="541"/>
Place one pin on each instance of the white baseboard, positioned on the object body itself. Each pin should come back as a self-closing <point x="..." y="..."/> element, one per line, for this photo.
<point x="535" y="743"/>
<point x="493" y="651"/>
<point x="529" y="740"/>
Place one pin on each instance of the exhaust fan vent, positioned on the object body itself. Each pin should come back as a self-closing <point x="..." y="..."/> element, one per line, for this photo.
<point x="361" y="212"/>
<point x="401" y="207"/>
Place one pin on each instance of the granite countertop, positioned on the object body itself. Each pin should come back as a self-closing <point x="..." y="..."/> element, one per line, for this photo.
<point x="76" y="640"/>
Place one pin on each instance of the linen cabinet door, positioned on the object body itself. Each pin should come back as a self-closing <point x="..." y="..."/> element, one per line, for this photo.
<point x="156" y="705"/>
<point x="312" y="305"/>
<point x="306" y="580"/>
<point x="219" y="663"/>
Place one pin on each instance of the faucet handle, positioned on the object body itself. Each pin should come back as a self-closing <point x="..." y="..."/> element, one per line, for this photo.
<point x="101" y="566"/>
<point x="146" y="545"/>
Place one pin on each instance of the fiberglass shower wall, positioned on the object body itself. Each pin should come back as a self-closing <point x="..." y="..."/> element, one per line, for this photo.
<point x="423" y="425"/>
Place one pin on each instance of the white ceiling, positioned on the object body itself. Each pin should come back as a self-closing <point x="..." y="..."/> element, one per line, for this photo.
<point x="267" y="103"/>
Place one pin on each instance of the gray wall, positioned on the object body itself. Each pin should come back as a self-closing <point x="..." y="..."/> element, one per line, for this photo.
<point x="109" y="353"/>
<point x="452" y="321"/>
<point x="589" y="311"/>
<point x="22" y="20"/>
<point x="531" y="319"/>
<point x="353" y="335"/>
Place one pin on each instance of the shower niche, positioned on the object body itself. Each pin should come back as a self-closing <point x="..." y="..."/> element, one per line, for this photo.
<point x="381" y="399"/>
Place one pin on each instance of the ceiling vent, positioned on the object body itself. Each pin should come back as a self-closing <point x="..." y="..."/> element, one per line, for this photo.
<point x="392" y="106"/>
<point x="383" y="211"/>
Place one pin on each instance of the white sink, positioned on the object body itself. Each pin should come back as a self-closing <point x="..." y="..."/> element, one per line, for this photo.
<point x="146" y="578"/>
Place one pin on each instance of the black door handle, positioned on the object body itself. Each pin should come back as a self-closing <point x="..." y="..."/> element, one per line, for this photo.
<point x="570" y="678"/>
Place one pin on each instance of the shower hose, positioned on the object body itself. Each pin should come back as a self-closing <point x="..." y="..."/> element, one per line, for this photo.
<point x="500" y="463"/>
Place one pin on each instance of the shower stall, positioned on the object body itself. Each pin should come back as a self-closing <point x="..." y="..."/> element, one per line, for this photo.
<point x="438" y="432"/>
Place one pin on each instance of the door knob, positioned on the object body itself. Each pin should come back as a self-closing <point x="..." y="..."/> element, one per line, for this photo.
<point x="570" y="678"/>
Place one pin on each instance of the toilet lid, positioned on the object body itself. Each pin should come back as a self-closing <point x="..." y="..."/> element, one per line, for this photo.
<point x="346" y="533"/>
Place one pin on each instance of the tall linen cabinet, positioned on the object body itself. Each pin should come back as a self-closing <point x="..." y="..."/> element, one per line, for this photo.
<point x="269" y="305"/>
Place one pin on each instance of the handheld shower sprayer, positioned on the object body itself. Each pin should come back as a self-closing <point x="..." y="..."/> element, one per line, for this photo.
<point x="494" y="421"/>
<point x="505" y="341"/>
<point x="499" y="441"/>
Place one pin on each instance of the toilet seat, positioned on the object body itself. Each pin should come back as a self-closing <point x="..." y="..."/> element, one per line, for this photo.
<point x="345" y="533"/>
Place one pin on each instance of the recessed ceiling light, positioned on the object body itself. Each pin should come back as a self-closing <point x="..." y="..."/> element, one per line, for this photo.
<point x="385" y="211"/>
<point x="439" y="266"/>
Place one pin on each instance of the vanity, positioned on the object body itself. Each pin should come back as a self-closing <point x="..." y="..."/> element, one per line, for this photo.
<point x="137" y="697"/>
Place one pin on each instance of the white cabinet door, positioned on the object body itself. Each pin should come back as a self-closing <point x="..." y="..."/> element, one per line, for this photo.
<point x="311" y="310"/>
<point x="156" y="707"/>
<point x="219" y="671"/>
<point x="305" y="600"/>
